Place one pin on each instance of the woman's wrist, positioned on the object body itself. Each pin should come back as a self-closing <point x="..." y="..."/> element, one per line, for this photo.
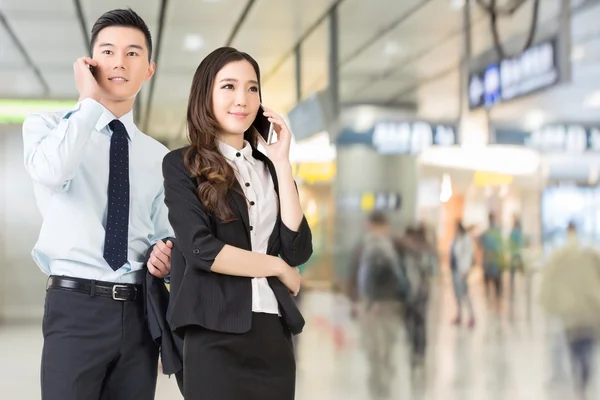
<point x="277" y="266"/>
<point x="282" y="167"/>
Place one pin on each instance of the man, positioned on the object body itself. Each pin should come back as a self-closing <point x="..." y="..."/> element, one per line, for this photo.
<point x="570" y="293"/>
<point x="377" y="287"/>
<point x="98" y="184"/>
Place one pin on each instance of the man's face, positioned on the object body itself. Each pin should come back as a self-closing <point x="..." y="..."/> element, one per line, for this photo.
<point x="123" y="66"/>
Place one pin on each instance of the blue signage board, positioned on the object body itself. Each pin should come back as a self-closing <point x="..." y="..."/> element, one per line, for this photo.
<point x="535" y="69"/>
<point x="401" y="137"/>
<point x="572" y="138"/>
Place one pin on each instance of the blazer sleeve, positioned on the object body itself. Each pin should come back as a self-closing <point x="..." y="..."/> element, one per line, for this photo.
<point x="187" y="216"/>
<point x="296" y="246"/>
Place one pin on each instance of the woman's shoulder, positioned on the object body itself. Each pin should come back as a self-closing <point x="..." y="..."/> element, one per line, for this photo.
<point x="176" y="157"/>
<point x="175" y="160"/>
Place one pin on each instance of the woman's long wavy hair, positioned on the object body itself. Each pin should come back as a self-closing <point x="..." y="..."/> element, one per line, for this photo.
<point x="203" y="159"/>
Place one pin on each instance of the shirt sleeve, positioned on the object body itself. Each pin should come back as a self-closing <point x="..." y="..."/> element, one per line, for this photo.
<point x="53" y="151"/>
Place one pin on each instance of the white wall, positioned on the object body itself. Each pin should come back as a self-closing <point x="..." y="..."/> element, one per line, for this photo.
<point x="22" y="284"/>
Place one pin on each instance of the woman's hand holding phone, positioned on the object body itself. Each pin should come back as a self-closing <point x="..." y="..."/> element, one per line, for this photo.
<point x="278" y="152"/>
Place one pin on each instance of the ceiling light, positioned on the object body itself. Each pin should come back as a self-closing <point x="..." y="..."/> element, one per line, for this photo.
<point x="578" y="53"/>
<point x="193" y="43"/>
<point x="391" y="49"/>
<point x="534" y="120"/>
<point x="457" y="4"/>
<point x="592" y="100"/>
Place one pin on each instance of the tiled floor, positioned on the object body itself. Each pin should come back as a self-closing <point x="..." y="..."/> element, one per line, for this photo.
<point x="504" y="357"/>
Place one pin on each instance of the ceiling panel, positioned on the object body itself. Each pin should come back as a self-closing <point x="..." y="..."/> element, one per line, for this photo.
<point x="202" y="13"/>
<point x="50" y="42"/>
<point x="175" y="58"/>
<point x="314" y="56"/>
<point x="361" y="20"/>
<point x="147" y="9"/>
<point x="413" y="45"/>
<point x="38" y="9"/>
<point x="436" y="61"/>
<point x="19" y="84"/>
<point x="10" y="56"/>
<point x="273" y="27"/>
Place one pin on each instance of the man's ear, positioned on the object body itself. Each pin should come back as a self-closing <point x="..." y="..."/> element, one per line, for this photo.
<point x="151" y="70"/>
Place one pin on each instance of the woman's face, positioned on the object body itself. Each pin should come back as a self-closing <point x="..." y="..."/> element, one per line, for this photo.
<point x="235" y="97"/>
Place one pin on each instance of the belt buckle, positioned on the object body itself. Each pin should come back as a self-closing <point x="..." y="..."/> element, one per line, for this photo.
<point x="114" y="292"/>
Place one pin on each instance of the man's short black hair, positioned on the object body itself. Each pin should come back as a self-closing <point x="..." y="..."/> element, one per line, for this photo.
<point x="121" y="17"/>
<point x="378" y="218"/>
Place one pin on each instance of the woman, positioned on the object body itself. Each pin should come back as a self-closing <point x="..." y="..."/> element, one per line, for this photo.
<point x="462" y="257"/>
<point x="240" y="228"/>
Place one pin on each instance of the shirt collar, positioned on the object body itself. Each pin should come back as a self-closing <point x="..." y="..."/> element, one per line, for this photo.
<point x="126" y="119"/>
<point x="230" y="153"/>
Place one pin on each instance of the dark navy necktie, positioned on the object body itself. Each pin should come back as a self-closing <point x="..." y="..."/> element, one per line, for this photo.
<point x="117" y="219"/>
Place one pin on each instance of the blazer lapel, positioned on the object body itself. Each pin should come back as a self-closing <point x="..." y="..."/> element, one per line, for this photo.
<point x="260" y="156"/>
<point x="275" y="234"/>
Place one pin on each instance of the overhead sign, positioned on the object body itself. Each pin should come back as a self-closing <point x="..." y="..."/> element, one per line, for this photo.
<point x="535" y="69"/>
<point x="381" y="201"/>
<point x="572" y="138"/>
<point x="401" y="137"/>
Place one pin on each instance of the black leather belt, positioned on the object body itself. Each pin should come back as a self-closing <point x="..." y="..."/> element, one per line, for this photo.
<point x="116" y="291"/>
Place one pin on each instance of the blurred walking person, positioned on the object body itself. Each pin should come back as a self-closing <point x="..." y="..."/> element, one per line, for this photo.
<point x="570" y="291"/>
<point x="461" y="261"/>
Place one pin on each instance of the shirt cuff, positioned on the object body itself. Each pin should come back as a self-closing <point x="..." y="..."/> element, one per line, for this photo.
<point x="89" y="109"/>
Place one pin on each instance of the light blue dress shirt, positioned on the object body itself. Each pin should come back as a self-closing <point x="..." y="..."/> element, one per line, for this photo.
<point x="67" y="156"/>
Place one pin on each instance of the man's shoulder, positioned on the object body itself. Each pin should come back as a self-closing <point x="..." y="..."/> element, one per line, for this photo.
<point x="153" y="145"/>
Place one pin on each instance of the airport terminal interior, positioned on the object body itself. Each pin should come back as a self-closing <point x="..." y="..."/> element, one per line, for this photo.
<point x="444" y="121"/>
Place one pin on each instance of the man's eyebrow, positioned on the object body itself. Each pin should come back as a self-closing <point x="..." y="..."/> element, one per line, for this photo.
<point x="134" y="46"/>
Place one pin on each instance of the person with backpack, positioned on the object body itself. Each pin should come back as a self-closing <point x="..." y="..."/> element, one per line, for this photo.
<point x="377" y="289"/>
<point x="418" y="254"/>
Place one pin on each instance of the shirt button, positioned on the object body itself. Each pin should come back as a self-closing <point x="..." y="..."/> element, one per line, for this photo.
<point x="196" y="251"/>
<point x="238" y="154"/>
<point x="252" y="203"/>
<point x="247" y="184"/>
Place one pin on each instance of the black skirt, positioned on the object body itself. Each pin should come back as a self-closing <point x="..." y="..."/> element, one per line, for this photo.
<point x="256" y="365"/>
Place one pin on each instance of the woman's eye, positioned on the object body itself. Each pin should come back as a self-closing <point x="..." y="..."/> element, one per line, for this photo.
<point x="254" y="89"/>
<point x="228" y="86"/>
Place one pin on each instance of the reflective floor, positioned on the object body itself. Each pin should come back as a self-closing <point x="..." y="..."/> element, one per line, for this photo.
<point x="508" y="355"/>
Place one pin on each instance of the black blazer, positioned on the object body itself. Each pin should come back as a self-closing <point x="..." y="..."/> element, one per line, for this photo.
<point x="214" y="301"/>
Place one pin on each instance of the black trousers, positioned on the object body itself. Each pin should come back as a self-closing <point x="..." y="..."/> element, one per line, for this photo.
<point x="256" y="365"/>
<point x="96" y="348"/>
